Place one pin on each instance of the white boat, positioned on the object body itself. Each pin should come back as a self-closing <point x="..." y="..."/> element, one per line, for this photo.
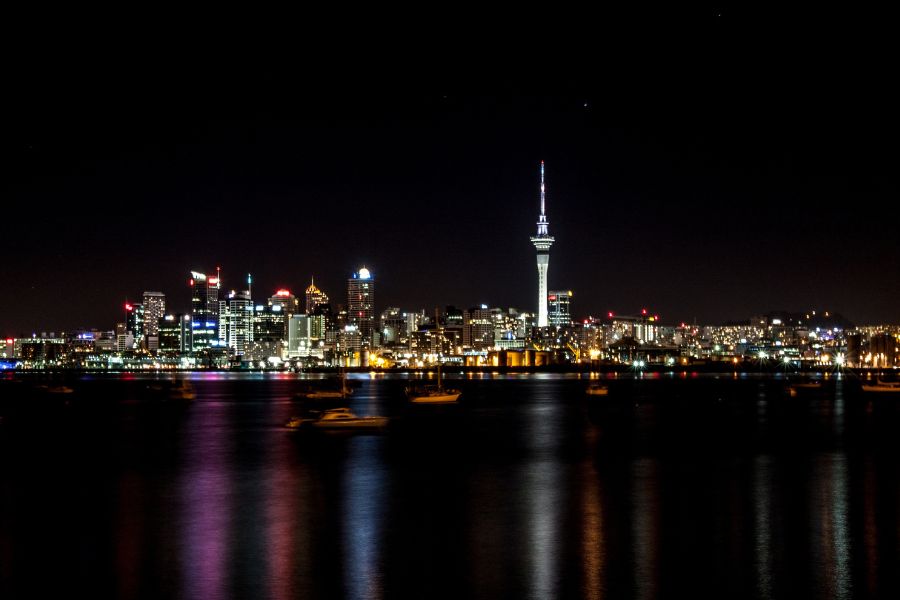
<point x="597" y="389"/>
<point x="338" y="419"/>
<point x="882" y="386"/>
<point x="433" y="394"/>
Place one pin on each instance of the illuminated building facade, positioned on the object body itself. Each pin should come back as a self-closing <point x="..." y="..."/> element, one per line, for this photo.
<point x="174" y="334"/>
<point x="542" y="242"/>
<point x="204" y="310"/>
<point x="361" y="307"/>
<point x="478" y="330"/>
<point x="154" y="310"/>
<point x="236" y="322"/>
<point x="559" y="313"/>
<point x="289" y="303"/>
<point x="134" y="323"/>
<point x="314" y="298"/>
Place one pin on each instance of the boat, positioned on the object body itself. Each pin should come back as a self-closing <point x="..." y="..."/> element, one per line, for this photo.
<point x="183" y="391"/>
<point x="337" y="419"/>
<point x="433" y="394"/>
<point x="805" y="386"/>
<point x="808" y="385"/>
<point x="59" y="389"/>
<point x="323" y="394"/>
<point x="882" y="386"/>
<point x="597" y="389"/>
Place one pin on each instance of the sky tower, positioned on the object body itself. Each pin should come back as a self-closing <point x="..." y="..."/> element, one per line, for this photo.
<point x="542" y="242"/>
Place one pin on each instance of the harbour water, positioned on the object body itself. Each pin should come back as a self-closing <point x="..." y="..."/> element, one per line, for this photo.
<point x="674" y="484"/>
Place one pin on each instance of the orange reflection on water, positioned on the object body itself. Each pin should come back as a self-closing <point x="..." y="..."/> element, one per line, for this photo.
<point x="593" y="550"/>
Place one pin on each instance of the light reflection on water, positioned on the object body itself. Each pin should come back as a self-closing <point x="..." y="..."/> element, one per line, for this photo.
<point x="543" y="487"/>
<point x="205" y="519"/>
<point x="526" y="489"/>
<point x="645" y="483"/>
<point x="364" y="489"/>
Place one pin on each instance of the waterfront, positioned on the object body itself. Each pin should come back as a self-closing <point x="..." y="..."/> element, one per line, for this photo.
<point x="689" y="484"/>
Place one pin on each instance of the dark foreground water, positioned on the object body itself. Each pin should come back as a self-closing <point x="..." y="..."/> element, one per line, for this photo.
<point x="673" y="485"/>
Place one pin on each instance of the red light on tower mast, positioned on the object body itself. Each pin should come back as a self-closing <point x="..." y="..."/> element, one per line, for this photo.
<point x="128" y="307"/>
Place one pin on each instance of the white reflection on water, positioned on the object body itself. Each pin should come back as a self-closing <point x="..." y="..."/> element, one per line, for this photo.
<point x="762" y="513"/>
<point x="829" y="513"/>
<point x="543" y="481"/>
<point x="363" y="495"/>
<point x="542" y="484"/>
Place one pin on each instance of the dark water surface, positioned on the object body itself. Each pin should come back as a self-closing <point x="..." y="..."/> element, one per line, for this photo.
<point x="673" y="485"/>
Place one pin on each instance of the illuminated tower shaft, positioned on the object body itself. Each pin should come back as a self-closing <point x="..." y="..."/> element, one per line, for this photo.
<point x="542" y="242"/>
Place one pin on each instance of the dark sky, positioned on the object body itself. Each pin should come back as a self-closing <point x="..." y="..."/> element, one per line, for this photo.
<point x="715" y="178"/>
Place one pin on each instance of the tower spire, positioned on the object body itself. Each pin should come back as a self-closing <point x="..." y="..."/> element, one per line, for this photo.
<point x="542" y="219"/>
<point x="542" y="191"/>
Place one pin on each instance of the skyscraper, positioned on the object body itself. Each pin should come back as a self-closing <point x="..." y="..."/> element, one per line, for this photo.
<point x="542" y="242"/>
<point x="204" y="310"/>
<point x="361" y="305"/>
<point x="314" y="297"/>
<point x="134" y="321"/>
<point x="559" y="312"/>
<point x="154" y="310"/>
<point x="236" y="322"/>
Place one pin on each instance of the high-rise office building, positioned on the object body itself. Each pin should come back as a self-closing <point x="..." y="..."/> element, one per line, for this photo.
<point x="314" y="298"/>
<point x="134" y="321"/>
<point x="236" y="322"/>
<point x="204" y="310"/>
<point x="478" y="332"/>
<point x="154" y="310"/>
<point x="361" y="306"/>
<point x="289" y="303"/>
<point x="542" y="242"/>
<point x="559" y="313"/>
<point x="174" y="333"/>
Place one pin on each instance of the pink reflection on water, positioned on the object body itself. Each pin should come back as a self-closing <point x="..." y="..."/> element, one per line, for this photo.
<point x="205" y="517"/>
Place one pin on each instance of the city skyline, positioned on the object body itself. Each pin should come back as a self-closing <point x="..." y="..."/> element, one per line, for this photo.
<point x="730" y="186"/>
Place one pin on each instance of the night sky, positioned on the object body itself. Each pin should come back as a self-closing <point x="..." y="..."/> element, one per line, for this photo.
<point x="712" y="181"/>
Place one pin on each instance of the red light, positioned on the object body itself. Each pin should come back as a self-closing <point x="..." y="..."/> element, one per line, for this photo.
<point x="656" y="317"/>
<point x="552" y="297"/>
<point x="643" y="311"/>
<point x="129" y="307"/>
<point x="9" y="341"/>
<point x="213" y="281"/>
<point x="191" y="282"/>
<point x="610" y="315"/>
<point x="283" y="293"/>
